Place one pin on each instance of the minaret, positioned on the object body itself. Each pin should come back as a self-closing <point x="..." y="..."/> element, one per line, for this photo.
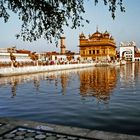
<point x="62" y="45"/>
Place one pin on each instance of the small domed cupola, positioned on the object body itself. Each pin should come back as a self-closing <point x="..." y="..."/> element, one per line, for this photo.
<point x="111" y="38"/>
<point x="82" y="36"/>
<point x="96" y="35"/>
<point x="106" y="34"/>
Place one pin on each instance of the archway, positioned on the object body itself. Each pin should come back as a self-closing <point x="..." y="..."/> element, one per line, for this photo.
<point x="127" y="53"/>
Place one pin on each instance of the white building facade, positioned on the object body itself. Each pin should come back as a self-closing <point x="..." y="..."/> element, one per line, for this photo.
<point x="127" y="50"/>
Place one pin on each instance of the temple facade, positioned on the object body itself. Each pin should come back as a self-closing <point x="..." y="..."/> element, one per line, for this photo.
<point x="98" y="46"/>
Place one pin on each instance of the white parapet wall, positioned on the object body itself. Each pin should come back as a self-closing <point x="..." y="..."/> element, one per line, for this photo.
<point x="12" y="71"/>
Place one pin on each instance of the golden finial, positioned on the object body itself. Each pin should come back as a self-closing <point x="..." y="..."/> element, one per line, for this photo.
<point x="97" y="28"/>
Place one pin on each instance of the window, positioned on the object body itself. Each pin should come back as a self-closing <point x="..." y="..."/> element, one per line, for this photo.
<point x="83" y="52"/>
<point x="97" y="51"/>
<point x="89" y="51"/>
<point x="93" y="51"/>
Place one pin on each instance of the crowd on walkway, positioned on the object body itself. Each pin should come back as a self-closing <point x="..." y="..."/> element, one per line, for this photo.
<point x="40" y="63"/>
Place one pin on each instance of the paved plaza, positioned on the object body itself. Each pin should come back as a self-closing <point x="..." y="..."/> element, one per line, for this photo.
<point x="12" y="129"/>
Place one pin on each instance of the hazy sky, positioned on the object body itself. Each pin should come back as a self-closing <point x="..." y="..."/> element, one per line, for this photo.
<point x="125" y="27"/>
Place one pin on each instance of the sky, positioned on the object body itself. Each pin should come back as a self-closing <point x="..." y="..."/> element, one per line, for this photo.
<point x="125" y="28"/>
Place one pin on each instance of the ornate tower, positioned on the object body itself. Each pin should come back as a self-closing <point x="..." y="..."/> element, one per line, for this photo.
<point x="62" y="45"/>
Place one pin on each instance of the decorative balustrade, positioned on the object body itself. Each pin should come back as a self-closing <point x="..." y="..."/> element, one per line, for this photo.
<point x="35" y="69"/>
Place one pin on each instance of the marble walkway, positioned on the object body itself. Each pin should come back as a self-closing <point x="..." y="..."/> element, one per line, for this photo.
<point x="14" y="129"/>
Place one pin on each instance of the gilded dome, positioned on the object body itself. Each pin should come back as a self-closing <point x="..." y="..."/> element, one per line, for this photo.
<point x="106" y="33"/>
<point x="82" y="36"/>
<point x="96" y="35"/>
<point x="111" y="38"/>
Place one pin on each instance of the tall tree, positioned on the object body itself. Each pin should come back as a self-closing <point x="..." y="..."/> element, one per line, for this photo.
<point x="46" y="18"/>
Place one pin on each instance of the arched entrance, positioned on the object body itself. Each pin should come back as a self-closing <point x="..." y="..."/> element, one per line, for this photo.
<point x="127" y="53"/>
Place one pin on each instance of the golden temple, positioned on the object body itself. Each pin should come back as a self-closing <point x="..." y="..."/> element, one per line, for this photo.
<point x="98" y="46"/>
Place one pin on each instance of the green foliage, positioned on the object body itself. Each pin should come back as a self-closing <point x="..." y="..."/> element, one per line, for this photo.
<point x="46" y="18"/>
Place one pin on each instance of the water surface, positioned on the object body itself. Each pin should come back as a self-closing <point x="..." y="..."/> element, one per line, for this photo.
<point x="102" y="98"/>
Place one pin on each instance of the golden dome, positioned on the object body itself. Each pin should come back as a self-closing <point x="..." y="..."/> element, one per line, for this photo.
<point x="82" y="36"/>
<point x="97" y="34"/>
<point x="106" y="34"/>
<point x="111" y="38"/>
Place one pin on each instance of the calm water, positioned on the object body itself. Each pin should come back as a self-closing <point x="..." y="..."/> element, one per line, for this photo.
<point x="102" y="98"/>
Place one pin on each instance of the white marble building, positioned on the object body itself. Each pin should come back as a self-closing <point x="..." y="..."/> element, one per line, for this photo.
<point x="127" y="50"/>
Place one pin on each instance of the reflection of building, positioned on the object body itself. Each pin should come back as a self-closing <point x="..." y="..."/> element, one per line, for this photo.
<point x="98" y="46"/>
<point x="129" y="73"/>
<point x="51" y="78"/>
<point x="99" y="82"/>
<point x="64" y="80"/>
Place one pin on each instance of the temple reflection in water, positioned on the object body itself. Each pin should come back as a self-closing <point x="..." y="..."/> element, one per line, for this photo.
<point x="98" y="98"/>
<point x="97" y="82"/>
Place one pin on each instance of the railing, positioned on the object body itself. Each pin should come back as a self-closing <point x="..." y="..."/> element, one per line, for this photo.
<point x="35" y="69"/>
